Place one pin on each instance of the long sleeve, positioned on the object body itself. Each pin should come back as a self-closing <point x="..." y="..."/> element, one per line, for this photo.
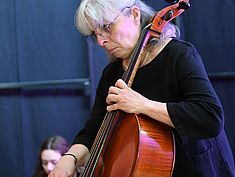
<point x="199" y="114"/>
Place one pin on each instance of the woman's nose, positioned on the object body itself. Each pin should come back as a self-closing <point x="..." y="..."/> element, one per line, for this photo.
<point x="101" y="39"/>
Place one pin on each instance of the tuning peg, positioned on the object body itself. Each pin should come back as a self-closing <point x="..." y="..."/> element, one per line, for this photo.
<point x="183" y="5"/>
<point x="168" y="15"/>
<point x="153" y="41"/>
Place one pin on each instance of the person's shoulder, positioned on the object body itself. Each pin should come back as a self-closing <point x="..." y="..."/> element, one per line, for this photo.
<point x="181" y="47"/>
<point x="179" y="43"/>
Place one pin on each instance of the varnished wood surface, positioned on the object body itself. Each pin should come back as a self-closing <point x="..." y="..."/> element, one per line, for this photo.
<point x="156" y="149"/>
<point x="138" y="147"/>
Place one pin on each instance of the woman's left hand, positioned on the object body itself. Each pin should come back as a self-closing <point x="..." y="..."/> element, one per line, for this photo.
<point x="122" y="97"/>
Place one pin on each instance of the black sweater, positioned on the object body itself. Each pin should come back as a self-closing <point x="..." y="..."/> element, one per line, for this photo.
<point x="177" y="77"/>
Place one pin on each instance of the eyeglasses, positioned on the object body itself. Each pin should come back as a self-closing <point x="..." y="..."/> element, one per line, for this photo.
<point x="105" y="28"/>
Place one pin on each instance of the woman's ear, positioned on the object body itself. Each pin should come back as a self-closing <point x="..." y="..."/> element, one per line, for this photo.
<point x="135" y="12"/>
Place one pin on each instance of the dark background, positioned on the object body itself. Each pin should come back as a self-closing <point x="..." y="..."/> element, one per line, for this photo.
<point x="39" y="42"/>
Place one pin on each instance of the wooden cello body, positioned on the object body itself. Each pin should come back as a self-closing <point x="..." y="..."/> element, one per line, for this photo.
<point x="130" y="145"/>
<point x="139" y="147"/>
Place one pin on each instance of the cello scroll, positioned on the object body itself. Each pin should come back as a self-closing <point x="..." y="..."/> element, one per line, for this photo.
<point x="167" y="14"/>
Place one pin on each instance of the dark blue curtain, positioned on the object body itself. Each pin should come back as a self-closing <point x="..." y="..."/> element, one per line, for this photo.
<point x="39" y="41"/>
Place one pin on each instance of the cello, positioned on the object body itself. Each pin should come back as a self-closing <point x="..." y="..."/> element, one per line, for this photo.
<point x="149" y="148"/>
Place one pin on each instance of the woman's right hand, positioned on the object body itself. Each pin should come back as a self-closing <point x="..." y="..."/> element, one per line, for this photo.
<point x="66" y="167"/>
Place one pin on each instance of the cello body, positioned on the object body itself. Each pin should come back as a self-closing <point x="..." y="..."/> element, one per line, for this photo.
<point x="138" y="147"/>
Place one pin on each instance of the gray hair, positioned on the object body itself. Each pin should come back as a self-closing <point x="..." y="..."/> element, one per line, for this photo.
<point x="95" y="13"/>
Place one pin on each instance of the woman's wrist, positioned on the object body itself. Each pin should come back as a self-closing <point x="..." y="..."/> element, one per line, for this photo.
<point x="72" y="156"/>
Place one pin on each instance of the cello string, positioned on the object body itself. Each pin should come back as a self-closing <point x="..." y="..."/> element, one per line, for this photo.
<point x="98" y="144"/>
<point x="94" y="148"/>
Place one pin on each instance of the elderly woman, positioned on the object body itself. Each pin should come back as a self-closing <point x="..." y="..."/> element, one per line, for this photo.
<point x="170" y="86"/>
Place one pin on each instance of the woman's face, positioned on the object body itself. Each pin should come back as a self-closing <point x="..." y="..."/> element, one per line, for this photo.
<point x="123" y="36"/>
<point x="49" y="159"/>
